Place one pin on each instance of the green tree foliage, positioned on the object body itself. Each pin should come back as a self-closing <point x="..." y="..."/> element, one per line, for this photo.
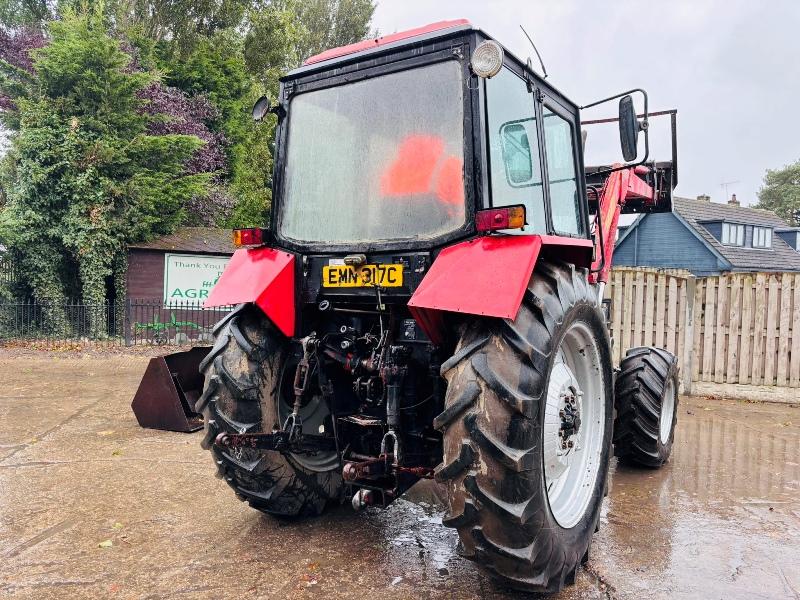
<point x="87" y="176"/>
<point x="271" y="42"/>
<point x="780" y="193"/>
<point x="25" y="13"/>
<point x="216" y="68"/>
<point x="178" y="25"/>
<point x="284" y="33"/>
<point x="330" y="23"/>
<point x="91" y="167"/>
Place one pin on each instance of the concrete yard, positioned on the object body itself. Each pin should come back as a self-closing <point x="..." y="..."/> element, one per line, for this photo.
<point x="93" y="506"/>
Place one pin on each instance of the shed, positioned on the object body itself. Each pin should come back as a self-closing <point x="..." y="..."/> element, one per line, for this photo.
<point x="181" y="266"/>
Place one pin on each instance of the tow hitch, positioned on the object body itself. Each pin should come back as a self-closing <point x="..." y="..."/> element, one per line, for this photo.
<point x="280" y="441"/>
<point x="379" y="372"/>
<point x="290" y="439"/>
<point x="380" y="480"/>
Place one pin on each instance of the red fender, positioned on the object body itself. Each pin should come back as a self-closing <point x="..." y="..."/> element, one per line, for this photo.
<point x="263" y="276"/>
<point x="485" y="276"/>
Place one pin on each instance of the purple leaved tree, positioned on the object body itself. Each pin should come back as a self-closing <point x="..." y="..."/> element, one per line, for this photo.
<point x="172" y="112"/>
<point x="15" y="49"/>
<point x="176" y="113"/>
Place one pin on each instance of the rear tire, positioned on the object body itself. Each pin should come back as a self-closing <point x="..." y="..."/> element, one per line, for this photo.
<point x="496" y="437"/>
<point x="646" y="398"/>
<point x="243" y="373"/>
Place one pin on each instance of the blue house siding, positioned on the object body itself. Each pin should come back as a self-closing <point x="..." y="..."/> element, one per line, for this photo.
<point x="714" y="229"/>
<point x="669" y="245"/>
<point x="790" y="237"/>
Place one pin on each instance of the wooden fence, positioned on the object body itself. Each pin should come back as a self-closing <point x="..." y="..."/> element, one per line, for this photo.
<point x="733" y="329"/>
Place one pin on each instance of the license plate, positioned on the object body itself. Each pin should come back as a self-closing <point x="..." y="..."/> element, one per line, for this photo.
<point x="345" y="276"/>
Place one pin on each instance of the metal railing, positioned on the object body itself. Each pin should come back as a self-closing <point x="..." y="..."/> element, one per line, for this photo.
<point x="8" y="270"/>
<point x="129" y="322"/>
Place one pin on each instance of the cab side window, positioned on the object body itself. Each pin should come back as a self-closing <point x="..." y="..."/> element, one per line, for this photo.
<point x="514" y="162"/>
<point x="559" y="145"/>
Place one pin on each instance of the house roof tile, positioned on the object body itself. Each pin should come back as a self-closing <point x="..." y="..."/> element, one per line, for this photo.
<point x="781" y="257"/>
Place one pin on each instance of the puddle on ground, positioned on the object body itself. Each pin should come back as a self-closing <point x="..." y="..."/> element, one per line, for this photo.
<point x="722" y="517"/>
<point x="721" y="520"/>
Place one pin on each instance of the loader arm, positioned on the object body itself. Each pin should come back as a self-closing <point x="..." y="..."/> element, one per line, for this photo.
<point x="645" y="187"/>
<point x="619" y="188"/>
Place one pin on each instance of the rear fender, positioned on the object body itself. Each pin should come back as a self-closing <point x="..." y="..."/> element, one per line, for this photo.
<point x="263" y="276"/>
<point x="486" y="276"/>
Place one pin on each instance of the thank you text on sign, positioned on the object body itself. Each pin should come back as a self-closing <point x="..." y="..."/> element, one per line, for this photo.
<point x="191" y="277"/>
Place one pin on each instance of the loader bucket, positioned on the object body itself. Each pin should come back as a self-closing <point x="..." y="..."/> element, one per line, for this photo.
<point x="168" y="391"/>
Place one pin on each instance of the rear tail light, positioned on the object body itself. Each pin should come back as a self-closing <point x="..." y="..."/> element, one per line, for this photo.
<point x="252" y="236"/>
<point x="506" y="217"/>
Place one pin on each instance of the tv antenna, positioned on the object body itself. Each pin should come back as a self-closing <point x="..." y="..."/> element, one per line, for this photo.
<point x="725" y="184"/>
<point x="539" y="56"/>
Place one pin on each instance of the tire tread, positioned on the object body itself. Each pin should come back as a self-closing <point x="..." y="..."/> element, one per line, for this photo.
<point x="638" y="396"/>
<point x="498" y="373"/>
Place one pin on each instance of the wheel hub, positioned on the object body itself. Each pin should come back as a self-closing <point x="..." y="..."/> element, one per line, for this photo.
<point x="570" y="415"/>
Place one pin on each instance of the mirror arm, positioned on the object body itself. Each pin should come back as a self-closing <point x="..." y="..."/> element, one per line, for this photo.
<point x="633" y="91"/>
<point x="644" y="125"/>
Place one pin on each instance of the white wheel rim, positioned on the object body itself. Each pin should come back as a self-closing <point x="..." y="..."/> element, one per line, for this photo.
<point x="667" y="411"/>
<point x="574" y="425"/>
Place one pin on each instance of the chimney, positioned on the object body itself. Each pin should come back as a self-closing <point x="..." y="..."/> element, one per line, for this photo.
<point x="704" y="198"/>
<point x="733" y="201"/>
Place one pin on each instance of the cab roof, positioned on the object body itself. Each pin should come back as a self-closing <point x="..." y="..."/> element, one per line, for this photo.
<point x="433" y="30"/>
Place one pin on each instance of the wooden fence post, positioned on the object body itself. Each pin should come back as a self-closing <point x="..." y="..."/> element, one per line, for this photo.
<point x="688" y="357"/>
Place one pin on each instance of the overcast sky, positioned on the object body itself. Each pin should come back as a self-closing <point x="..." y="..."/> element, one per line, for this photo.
<point x="730" y="67"/>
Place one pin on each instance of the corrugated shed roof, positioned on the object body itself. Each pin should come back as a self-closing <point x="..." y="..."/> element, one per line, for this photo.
<point x="781" y="257"/>
<point x="207" y="240"/>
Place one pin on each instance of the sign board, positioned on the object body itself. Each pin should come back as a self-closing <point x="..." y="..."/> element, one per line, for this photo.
<point x="189" y="278"/>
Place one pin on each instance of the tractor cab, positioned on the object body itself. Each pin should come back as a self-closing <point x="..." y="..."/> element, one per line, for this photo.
<point x="390" y="150"/>
<point x="402" y="141"/>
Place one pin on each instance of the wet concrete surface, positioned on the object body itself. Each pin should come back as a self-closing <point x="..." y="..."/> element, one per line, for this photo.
<point x="93" y="506"/>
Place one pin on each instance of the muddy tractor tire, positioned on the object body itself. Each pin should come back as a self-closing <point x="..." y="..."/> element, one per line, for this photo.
<point x="527" y="432"/>
<point x="246" y="373"/>
<point x="646" y="398"/>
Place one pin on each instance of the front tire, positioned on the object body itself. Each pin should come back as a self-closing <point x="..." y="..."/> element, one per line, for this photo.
<point x="245" y="376"/>
<point x="503" y="456"/>
<point x="646" y="397"/>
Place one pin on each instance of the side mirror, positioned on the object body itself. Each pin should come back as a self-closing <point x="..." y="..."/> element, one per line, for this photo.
<point x="261" y="108"/>
<point x="629" y="128"/>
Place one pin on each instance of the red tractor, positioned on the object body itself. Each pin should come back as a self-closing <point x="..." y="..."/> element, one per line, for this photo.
<point x="428" y="303"/>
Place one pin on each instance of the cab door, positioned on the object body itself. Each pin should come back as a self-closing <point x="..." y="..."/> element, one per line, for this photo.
<point x="532" y="141"/>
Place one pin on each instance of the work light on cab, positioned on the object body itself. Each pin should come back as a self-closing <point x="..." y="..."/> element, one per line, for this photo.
<point x="251" y="236"/>
<point x="506" y="217"/>
<point x="487" y="60"/>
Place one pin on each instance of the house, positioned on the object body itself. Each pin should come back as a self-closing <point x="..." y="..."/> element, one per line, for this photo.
<point x="180" y="267"/>
<point x="708" y="238"/>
